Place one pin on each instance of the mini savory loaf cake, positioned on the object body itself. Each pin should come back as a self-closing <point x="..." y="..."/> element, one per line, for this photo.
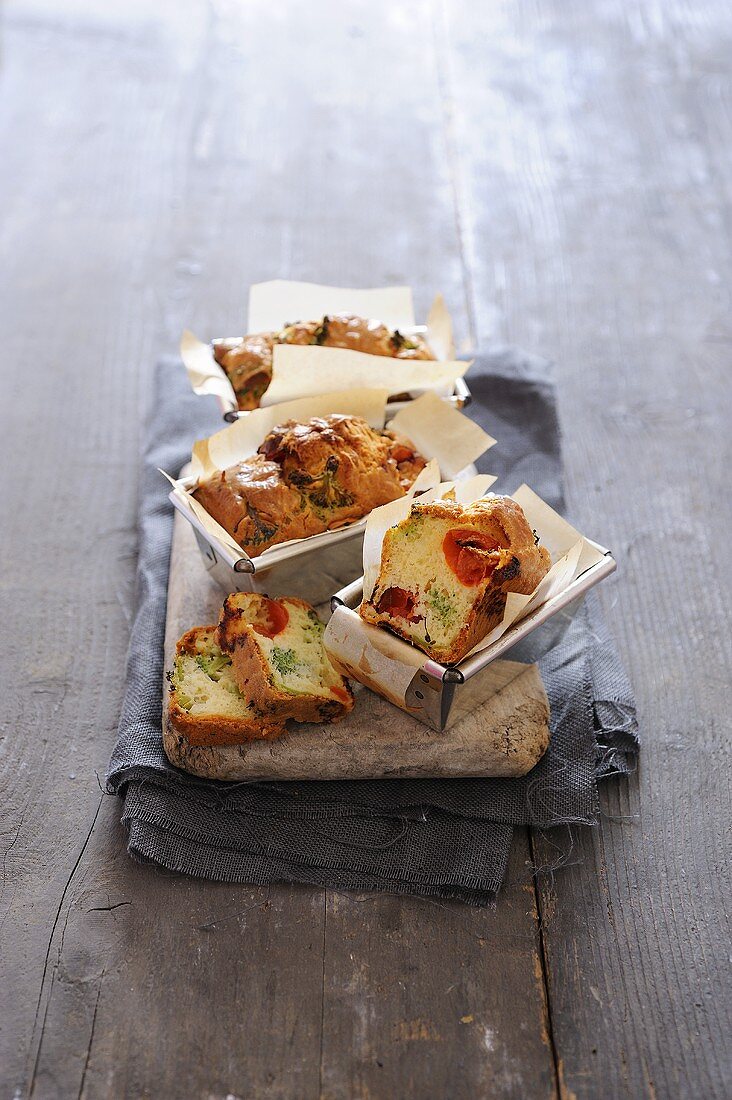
<point x="205" y="706"/>
<point x="446" y="569"/>
<point x="248" y="362"/>
<point x="278" y="658"/>
<point x="308" y="478"/>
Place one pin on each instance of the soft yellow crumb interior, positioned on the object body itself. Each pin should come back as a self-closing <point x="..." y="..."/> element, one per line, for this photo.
<point x="203" y="683"/>
<point x="413" y="560"/>
<point x="297" y="660"/>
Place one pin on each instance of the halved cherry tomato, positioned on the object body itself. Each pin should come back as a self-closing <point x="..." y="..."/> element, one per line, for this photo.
<point x="273" y="620"/>
<point x="400" y="453"/>
<point x="465" y="551"/>
<point x="398" y="603"/>
<point x="340" y="693"/>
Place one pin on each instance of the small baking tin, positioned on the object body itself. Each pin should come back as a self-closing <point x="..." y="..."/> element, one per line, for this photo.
<point x="274" y="303"/>
<point x="313" y="568"/>
<point x="440" y="695"/>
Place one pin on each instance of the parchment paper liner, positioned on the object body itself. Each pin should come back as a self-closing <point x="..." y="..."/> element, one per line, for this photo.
<point x="386" y="663"/>
<point x="443" y="435"/>
<point x="302" y="371"/>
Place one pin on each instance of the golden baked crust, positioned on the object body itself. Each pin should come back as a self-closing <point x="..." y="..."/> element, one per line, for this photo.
<point x="248" y="363"/>
<point x="255" y="505"/>
<point x="446" y="571"/>
<point x="267" y="640"/>
<point x="346" y="330"/>
<point x="218" y="730"/>
<point x="308" y="478"/>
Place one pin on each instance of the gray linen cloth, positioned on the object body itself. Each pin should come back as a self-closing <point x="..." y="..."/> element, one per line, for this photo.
<point x="440" y="837"/>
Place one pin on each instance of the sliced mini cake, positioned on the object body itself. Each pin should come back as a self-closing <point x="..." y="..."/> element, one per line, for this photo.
<point x="205" y="704"/>
<point x="278" y="658"/>
<point x="446" y="570"/>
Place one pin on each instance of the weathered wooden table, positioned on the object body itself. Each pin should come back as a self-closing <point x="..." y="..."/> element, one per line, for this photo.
<point x="562" y="171"/>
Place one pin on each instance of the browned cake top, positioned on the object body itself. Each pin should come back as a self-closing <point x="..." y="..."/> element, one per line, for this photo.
<point x="346" y="330"/>
<point x="307" y="478"/>
<point x="249" y="363"/>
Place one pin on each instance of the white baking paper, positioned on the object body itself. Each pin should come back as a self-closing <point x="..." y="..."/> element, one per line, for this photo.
<point x="426" y="419"/>
<point x="439" y="330"/>
<point x="204" y="373"/>
<point x="275" y="304"/>
<point x="300" y="371"/>
<point x="373" y="657"/>
<point x="303" y="370"/>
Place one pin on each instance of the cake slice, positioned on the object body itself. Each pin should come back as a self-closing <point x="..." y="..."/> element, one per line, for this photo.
<point x="205" y="706"/>
<point x="278" y="658"/>
<point x="446" y="570"/>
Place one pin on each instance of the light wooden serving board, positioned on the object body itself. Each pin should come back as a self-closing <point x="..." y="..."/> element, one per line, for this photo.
<point x="504" y="736"/>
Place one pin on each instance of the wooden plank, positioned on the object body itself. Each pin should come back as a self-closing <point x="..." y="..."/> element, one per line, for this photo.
<point x="87" y="252"/>
<point x="593" y="210"/>
<point x="436" y="999"/>
<point x="156" y="161"/>
<point x="172" y="986"/>
<point x="77" y="233"/>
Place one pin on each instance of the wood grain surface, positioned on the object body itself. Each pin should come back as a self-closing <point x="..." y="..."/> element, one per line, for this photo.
<point x="563" y="173"/>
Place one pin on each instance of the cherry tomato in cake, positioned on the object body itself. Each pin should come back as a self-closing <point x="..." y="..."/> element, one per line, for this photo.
<point x="467" y="554"/>
<point x="398" y="603"/>
<point x="272" y="620"/>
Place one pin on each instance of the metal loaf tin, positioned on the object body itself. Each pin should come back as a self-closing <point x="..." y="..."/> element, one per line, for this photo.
<point x="313" y="568"/>
<point x="439" y="695"/>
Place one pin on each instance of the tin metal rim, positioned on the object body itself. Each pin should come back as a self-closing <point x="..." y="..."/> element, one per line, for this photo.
<point x="351" y="596"/>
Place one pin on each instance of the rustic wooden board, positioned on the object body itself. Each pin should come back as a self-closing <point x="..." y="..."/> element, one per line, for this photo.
<point x="562" y="172"/>
<point x="506" y="734"/>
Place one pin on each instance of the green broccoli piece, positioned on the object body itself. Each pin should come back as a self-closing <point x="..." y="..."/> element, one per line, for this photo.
<point x="212" y="664"/>
<point x="440" y="603"/>
<point x="285" y="661"/>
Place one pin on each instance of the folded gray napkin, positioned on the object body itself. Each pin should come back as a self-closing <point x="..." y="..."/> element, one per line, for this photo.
<point x="443" y="837"/>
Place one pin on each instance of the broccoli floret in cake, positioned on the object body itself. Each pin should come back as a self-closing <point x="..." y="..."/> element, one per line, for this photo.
<point x="440" y="602"/>
<point x="284" y="660"/>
